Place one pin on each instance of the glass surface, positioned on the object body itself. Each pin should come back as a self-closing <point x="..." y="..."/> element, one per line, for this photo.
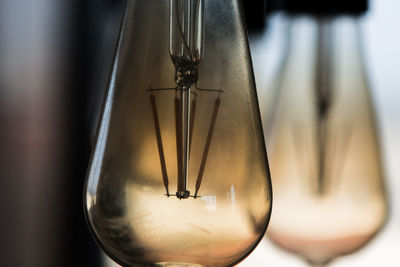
<point x="329" y="196"/>
<point x="179" y="175"/>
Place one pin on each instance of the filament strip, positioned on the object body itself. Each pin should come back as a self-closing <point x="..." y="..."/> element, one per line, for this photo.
<point x="207" y="145"/>
<point x="192" y="115"/>
<point x="159" y="142"/>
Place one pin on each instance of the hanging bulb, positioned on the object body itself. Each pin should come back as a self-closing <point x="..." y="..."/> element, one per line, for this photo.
<point x="326" y="168"/>
<point x="179" y="175"/>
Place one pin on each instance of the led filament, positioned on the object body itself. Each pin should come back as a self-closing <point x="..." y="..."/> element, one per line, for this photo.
<point x="186" y="49"/>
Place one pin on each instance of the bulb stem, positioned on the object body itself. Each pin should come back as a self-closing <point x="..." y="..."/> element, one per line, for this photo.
<point x="323" y="99"/>
<point x="183" y="141"/>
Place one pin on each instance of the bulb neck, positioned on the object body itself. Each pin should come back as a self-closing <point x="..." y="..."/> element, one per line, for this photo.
<point x="312" y="39"/>
<point x="186" y="36"/>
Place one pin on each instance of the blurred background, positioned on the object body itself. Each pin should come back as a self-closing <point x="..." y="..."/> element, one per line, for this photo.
<point x="55" y="57"/>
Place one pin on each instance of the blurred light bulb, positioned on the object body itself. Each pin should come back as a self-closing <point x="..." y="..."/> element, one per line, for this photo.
<point x="328" y="181"/>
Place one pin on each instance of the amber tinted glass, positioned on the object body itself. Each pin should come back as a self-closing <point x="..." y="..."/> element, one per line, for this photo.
<point x="138" y="166"/>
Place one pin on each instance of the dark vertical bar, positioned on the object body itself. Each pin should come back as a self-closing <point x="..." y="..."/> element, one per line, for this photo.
<point x="95" y="29"/>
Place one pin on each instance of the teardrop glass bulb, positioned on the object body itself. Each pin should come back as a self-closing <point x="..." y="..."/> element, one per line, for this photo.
<point x="179" y="175"/>
<point x="328" y="181"/>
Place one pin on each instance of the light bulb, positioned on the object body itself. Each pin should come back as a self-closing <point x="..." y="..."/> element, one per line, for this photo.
<point x="179" y="175"/>
<point x="326" y="168"/>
